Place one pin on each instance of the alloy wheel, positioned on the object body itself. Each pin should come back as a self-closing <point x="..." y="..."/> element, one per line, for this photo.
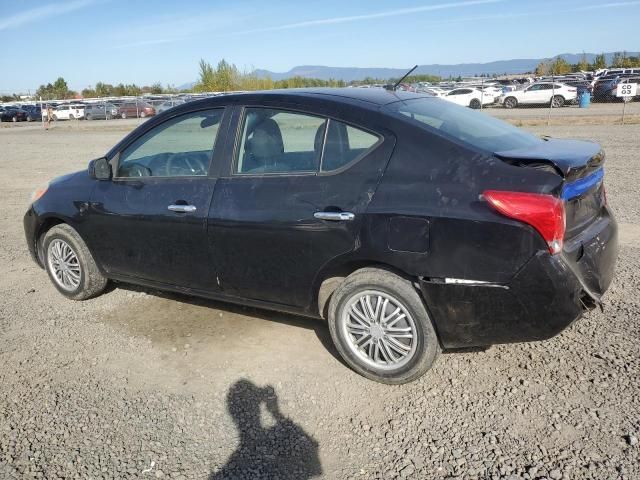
<point x="64" y="265"/>
<point x="379" y="330"/>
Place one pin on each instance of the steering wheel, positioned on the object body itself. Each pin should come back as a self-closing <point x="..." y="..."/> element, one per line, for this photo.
<point x="182" y="164"/>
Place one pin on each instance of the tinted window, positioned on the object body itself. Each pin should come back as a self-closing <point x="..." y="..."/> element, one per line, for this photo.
<point x="182" y="146"/>
<point x="344" y="144"/>
<point x="278" y="141"/>
<point x="475" y="128"/>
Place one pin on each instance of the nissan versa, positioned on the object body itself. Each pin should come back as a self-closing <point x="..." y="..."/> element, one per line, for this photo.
<point x="407" y="222"/>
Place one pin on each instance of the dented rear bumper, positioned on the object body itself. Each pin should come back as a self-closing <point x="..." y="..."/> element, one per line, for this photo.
<point x="544" y="297"/>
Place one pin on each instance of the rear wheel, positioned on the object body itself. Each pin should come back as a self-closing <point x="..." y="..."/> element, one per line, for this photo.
<point x="70" y="265"/>
<point x="123" y="115"/>
<point x="510" y="102"/>
<point x="557" y="101"/>
<point x="55" y="118"/>
<point x="475" y="104"/>
<point x="381" y="327"/>
<point x="88" y="116"/>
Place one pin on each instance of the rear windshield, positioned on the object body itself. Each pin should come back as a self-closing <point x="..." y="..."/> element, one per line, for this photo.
<point x="472" y="127"/>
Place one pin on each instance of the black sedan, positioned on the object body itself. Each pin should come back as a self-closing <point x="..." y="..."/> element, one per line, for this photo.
<point x="13" y="114"/>
<point x="409" y="223"/>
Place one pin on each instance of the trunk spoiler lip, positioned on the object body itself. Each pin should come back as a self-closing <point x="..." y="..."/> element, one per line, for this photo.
<point x="573" y="159"/>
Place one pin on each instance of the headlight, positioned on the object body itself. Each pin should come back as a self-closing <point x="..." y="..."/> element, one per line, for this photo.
<point x="39" y="192"/>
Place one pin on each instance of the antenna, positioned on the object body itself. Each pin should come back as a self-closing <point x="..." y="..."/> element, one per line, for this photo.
<point x="393" y="87"/>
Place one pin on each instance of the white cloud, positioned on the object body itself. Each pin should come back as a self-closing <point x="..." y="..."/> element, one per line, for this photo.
<point x="41" y="13"/>
<point x="372" y="16"/>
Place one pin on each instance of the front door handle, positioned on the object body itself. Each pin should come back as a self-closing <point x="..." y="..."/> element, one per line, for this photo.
<point x="335" y="216"/>
<point x="182" y="208"/>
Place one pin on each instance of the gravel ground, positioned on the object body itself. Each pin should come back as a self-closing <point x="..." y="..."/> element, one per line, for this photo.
<point x="141" y="384"/>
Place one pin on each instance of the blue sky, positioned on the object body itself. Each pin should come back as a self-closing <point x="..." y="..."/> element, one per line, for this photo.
<point x="143" y="42"/>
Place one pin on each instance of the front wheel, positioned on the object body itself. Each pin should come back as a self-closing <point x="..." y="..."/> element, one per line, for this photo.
<point x="557" y="101"/>
<point x="510" y="102"/>
<point x="475" y="104"/>
<point x="70" y="265"/>
<point x="381" y="328"/>
<point x="123" y="115"/>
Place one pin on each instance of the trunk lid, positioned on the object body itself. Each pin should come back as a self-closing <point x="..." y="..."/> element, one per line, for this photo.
<point x="580" y="164"/>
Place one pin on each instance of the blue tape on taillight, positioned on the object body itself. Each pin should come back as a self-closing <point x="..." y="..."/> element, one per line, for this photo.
<point x="577" y="188"/>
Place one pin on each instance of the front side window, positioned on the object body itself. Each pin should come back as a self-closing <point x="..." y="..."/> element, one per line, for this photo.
<point x="279" y="141"/>
<point x="182" y="146"/>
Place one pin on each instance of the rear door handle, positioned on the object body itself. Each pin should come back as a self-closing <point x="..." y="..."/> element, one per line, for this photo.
<point x="335" y="216"/>
<point x="182" y="208"/>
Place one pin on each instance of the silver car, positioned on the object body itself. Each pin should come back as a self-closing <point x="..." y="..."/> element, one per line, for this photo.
<point x="100" y="111"/>
<point x="169" y="104"/>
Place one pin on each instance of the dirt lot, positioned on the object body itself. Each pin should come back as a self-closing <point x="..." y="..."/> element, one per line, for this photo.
<point x="141" y="384"/>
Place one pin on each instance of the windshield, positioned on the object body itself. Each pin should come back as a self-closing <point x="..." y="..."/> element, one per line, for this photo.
<point x="475" y="128"/>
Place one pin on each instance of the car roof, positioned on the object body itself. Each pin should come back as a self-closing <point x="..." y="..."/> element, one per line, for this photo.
<point x="373" y="96"/>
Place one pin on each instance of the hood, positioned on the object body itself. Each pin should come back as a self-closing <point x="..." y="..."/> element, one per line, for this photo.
<point x="571" y="158"/>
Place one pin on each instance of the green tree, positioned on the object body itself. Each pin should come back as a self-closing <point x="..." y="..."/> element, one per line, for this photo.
<point x="599" y="62"/>
<point x="207" y="81"/>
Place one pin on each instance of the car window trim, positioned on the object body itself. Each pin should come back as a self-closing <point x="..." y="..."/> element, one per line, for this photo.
<point x="115" y="160"/>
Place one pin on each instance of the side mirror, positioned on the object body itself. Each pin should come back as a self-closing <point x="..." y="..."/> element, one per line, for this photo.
<point x="100" y="169"/>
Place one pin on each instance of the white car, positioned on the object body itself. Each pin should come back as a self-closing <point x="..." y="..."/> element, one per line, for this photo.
<point x="543" y="93"/>
<point x="66" y="112"/>
<point x="469" y="97"/>
<point x="436" y="91"/>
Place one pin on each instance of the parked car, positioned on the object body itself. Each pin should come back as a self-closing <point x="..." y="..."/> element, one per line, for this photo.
<point x="68" y="112"/>
<point x="606" y="90"/>
<point x="13" y="114"/>
<point x="100" y="111"/>
<point x="406" y="221"/>
<point x="540" y="93"/>
<point x="469" y="97"/>
<point x="136" y="109"/>
<point x="169" y="104"/>
<point x="34" y="113"/>
<point x="581" y="86"/>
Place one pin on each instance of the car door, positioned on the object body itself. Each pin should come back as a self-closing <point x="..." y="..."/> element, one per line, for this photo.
<point x="149" y="221"/>
<point x="458" y="96"/>
<point x="292" y="201"/>
<point x="531" y="94"/>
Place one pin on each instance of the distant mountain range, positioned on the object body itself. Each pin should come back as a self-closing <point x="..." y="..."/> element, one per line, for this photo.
<point x="520" y="65"/>
<point x="515" y="66"/>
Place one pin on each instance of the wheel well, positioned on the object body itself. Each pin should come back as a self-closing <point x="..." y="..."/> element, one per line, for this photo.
<point x="47" y="225"/>
<point x="332" y="278"/>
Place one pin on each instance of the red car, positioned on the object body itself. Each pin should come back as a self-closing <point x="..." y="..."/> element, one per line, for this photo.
<point x="136" y="109"/>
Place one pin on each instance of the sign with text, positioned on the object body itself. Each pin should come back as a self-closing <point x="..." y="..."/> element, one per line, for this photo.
<point x="627" y="90"/>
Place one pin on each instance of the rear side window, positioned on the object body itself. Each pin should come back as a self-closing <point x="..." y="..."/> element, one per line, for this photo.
<point x="279" y="141"/>
<point x="344" y="144"/>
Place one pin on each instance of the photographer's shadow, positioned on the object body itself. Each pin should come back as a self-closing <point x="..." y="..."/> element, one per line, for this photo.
<point x="281" y="451"/>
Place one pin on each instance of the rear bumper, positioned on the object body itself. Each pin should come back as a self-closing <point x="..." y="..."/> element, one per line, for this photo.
<point x="547" y="295"/>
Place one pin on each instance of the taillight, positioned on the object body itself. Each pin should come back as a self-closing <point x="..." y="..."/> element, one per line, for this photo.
<point x="545" y="213"/>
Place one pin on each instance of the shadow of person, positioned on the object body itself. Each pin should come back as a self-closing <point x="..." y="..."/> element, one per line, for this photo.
<point x="280" y="451"/>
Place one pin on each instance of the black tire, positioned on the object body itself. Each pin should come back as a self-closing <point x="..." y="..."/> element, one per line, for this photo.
<point x="92" y="282"/>
<point x="510" y="102"/>
<point x="402" y="291"/>
<point x="54" y="118"/>
<point x="475" y="104"/>
<point x="557" y="101"/>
